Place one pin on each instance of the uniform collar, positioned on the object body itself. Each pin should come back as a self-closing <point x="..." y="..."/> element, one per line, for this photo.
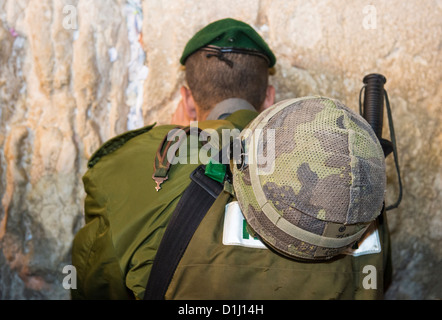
<point x="226" y="107"/>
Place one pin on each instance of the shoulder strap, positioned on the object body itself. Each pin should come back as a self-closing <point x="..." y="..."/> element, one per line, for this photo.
<point x="191" y="209"/>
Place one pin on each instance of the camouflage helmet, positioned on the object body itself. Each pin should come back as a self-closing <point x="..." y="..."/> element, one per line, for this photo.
<point x="314" y="194"/>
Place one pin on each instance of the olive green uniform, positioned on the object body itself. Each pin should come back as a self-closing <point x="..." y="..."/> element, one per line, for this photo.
<point x="125" y="216"/>
<point x="126" y="219"/>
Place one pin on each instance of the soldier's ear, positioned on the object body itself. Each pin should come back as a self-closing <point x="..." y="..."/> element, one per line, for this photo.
<point x="189" y="103"/>
<point x="270" y="98"/>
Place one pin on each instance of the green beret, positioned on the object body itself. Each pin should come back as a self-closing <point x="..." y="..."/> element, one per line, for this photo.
<point x="231" y="34"/>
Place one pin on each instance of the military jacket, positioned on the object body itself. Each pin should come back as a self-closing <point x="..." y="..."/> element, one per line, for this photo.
<point x="216" y="268"/>
<point x="126" y="218"/>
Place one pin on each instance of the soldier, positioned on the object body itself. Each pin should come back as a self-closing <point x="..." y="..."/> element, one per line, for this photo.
<point x="309" y="224"/>
<point x="227" y="66"/>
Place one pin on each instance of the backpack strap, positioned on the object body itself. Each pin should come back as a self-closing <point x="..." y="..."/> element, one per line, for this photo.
<point x="190" y="211"/>
<point x="168" y="146"/>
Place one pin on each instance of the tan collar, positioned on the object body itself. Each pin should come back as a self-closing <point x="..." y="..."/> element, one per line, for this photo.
<point x="225" y="108"/>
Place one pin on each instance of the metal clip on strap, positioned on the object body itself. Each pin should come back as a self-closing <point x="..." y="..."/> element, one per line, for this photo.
<point x="161" y="165"/>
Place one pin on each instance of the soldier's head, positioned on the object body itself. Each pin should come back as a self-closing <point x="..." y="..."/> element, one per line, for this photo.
<point x="227" y="59"/>
<point x="321" y="185"/>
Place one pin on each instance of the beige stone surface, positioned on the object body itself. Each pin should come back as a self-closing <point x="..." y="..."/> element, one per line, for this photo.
<point x="66" y="86"/>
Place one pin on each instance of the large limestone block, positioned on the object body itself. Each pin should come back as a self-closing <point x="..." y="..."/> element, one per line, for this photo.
<point x="58" y="86"/>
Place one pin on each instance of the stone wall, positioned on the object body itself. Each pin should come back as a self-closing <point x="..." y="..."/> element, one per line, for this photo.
<point x="74" y="73"/>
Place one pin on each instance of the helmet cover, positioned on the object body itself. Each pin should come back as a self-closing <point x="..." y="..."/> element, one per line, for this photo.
<point x="316" y="192"/>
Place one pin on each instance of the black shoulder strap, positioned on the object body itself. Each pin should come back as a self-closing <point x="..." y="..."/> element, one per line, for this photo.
<point x="191" y="209"/>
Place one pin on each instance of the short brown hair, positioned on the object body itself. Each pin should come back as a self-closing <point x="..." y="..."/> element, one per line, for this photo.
<point x="212" y="80"/>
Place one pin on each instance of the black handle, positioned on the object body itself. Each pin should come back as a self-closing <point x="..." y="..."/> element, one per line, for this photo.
<point x="374" y="102"/>
<point x="374" y="114"/>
